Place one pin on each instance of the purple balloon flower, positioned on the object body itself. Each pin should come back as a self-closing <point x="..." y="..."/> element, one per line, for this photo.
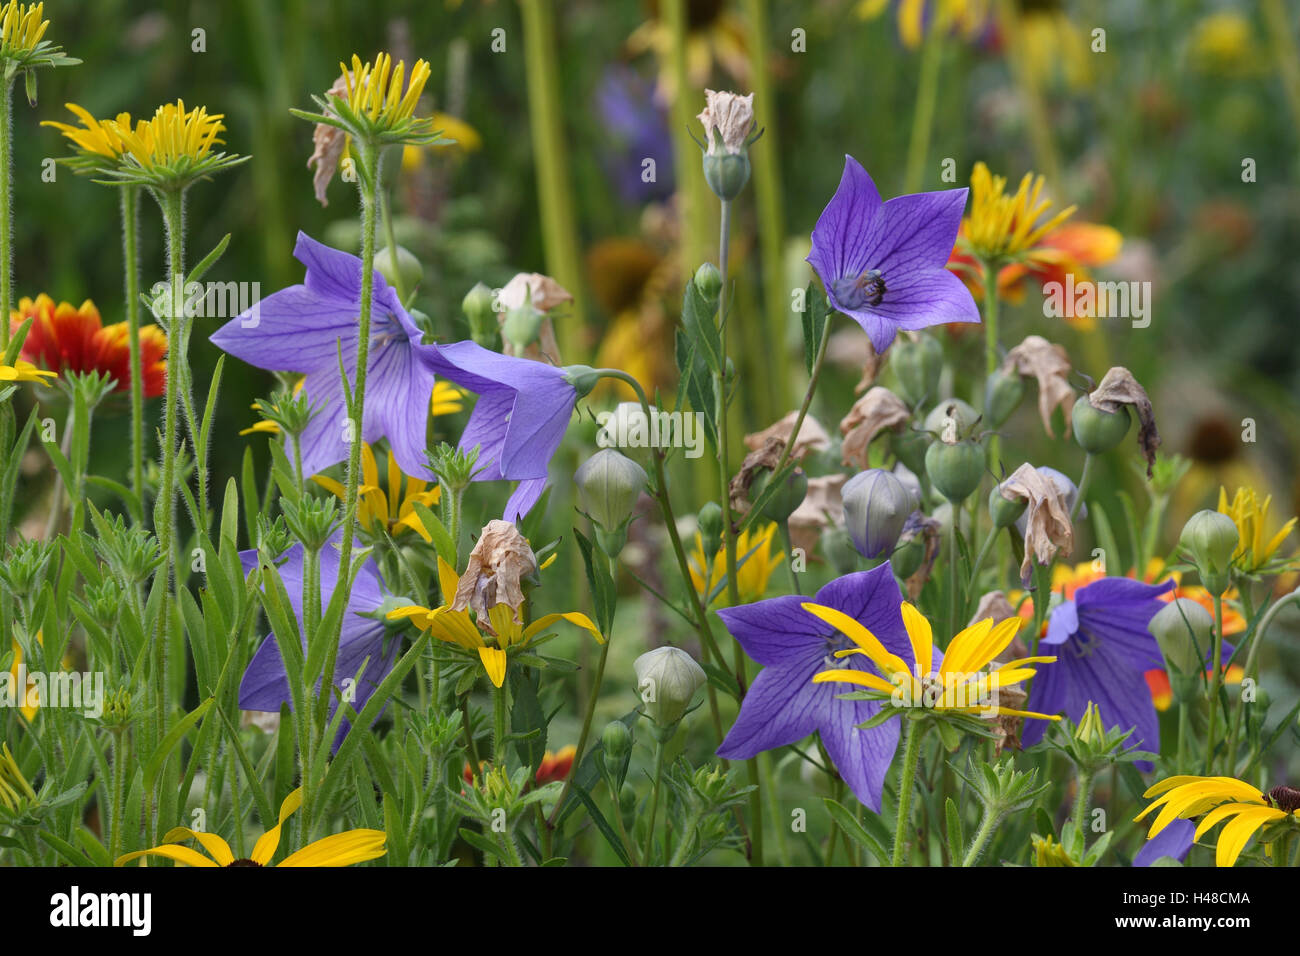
<point x="301" y="329"/>
<point x="266" y="684"/>
<point x="520" y="417"/>
<point x="784" y="705"/>
<point x="884" y="263"/>
<point x="1103" y="649"/>
<point x="1174" y="841"/>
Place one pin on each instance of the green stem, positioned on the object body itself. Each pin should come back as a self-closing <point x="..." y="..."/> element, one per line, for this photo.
<point x="1085" y="479"/>
<point x="923" y="116"/>
<point x="984" y="550"/>
<point x="906" y="784"/>
<point x="499" y="710"/>
<point x="131" y="266"/>
<point x="990" y="269"/>
<point x="648" y="853"/>
<point x="982" y="836"/>
<point x="1081" y="800"/>
<point x="952" y="567"/>
<point x="1184" y="732"/>
<point x="1216" y="681"/>
<point x="6" y="211"/>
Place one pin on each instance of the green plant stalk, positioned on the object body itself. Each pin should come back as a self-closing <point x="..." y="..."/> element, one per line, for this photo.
<point x="927" y="91"/>
<point x="984" y="550"/>
<point x="116" y="811"/>
<point x="551" y="158"/>
<point x="1184" y="733"/>
<point x="988" y="824"/>
<point x="56" y="493"/>
<point x="6" y="211"/>
<point x="500" y="706"/>
<point x="692" y="190"/>
<point x="629" y="845"/>
<point x="906" y="784"/>
<point x="648" y="853"/>
<point x="1085" y="479"/>
<point x="1216" y="681"/>
<point x="771" y="219"/>
<point x="1081" y="800"/>
<point x="588" y="715"/>
<point x="687" y="838"/>
<point x="990" y="269"/>
<point x="1251" y="668"/>
<point x="130" y="196"/>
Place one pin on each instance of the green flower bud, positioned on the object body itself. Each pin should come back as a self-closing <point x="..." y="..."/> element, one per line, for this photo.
<point x="1211" y="538"/>
<point x="787" y="498"/>
<point x="583" y="378"/>
<point x="876" y="507"/>
<point x="710" y="522"/>
<point x="617" y="740"/>
<point x="608" y="487"/>
<point x="907" y="557"/>
<point x="1097" y="431"/>
<point x="709" y="281"/>
<point x="1002" y="396"/>
<point x="953" y="408"/>
<point x="1180" y="628"/>
<point x="1005" y="511"/>
<point x="908" y="446"/>
<point x="726" y="173"/>
<point x="955" y="469"/>
<point x="406" y="267"/>
<point x="522" y="326"/>
<point x="1090" y="730"/>
<point x="918" y="365"/>
<point x="667" y="679"/>
<point x="839" y="550"/>
<point x="483" y="325"/>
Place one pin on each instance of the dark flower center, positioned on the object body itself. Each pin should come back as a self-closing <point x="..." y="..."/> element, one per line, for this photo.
<point x="837" y="642"/>
<point x="1285" y="798"/>
<point x="866" y="289"/>
<point x="243" y="863"/>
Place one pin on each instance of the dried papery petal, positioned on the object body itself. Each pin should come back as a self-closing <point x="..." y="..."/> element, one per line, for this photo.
<point x="871" y="414"/>
<point x="500" y="561"/>
<point x="731" y="115"/>
<point x="1047" y="519"/>
<point x="1118" y="387"/>
<point x="821" y="507"/>
<point x="328" y="142"/>
<point x="929" y="531"/>
<point x="764" y="458"/>
<point x="544" y="294"/>
<point x="812" y="436"/>
<point x="1050" y="365"/>
<point x="994" y="606"/>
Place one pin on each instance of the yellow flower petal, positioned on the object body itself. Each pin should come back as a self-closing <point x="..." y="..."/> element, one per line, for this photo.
<point x="341" y="849"/>
<point x="269" y="841"/>
<point x="494" y="662"/>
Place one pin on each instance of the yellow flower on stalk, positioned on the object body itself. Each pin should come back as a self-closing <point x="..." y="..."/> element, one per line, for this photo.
<point x="753" y="570"/>
<point x="95" y="136"/>
<point x="1001" y="227"/>
<point x="22" y="371"/>
<point x="21" y="27"/>
<point x="174" y="133"/>
<point x="459" y="628"/>
<point x="391" y="507"/>
<point x="1254" y="548"/>
<point x="1247" y="809"/>
<point x="341" y="849"/>
<point x="962" y="683"/>
<point x="374" y="90"/>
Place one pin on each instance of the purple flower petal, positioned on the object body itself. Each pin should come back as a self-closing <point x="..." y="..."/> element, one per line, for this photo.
<point x="1174" y="841"/>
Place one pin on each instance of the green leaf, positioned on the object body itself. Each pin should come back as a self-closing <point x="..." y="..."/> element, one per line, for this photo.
<point x="956" y="840"/>
<point x="208" y="261"/>
<point x="854" y="831"/>
<point x="698" y="323"/>
<point x="598" y="818"/>
<point x="604" y="595"/>
<point x="813" y="319"/>
<point x="169" y="742"/>
<point x="129" y="498"/>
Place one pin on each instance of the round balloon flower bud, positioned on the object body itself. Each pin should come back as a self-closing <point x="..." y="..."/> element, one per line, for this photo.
<point x="839" y="549"/>
<point x="710" y="521"/>
<point x="955" y="469"/>
<point x="1211" y="539"/>
<point x="609" y="484"/>
<point x="1002" y="396"/>
<point x="616" y="739"/>
<point x="908" y="446"/>
<point x="726" y="173"/>
<point x="788" y="497"/>
<point x="667" y="679"/>
<point x="907" y="557"/>
<point x="477" y="306"/>
<point x="918" y="365"/>
<point x="1005" y="511"/>
<point x="1097" y="431"/>
<point x="950" y="408"/>
<point x="523" y="325"/>
<point x="1184" y="630"/>
<point x="876" y="506"/>
<point x="405" y="267"/>
<point x="708" y="280"/>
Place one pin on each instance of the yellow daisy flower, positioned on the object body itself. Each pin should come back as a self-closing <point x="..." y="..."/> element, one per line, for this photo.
<point x="95" y="136"/>
<point x="1002" y="226"/>
<point x="341" y="849"/>
<point x="173" y="133"/>
<point x="374" y="90"/>
<point x="22" y="371"/>
<point x="962" y="682"/>
<point x="752" y="573"/>
<point x="21" y="27"/>
<point x="14" y="788"/>
<point x="458" y="627"/>
<point x="393" y="508"/>
<point x="1254" y="547"/>
<point x="1246" y="808"/>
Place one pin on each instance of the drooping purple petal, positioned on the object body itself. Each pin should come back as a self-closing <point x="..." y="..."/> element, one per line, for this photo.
<point x="1174" y="841"/>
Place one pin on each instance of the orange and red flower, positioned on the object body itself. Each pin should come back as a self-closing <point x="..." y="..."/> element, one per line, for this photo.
<point x="75" y="339"/>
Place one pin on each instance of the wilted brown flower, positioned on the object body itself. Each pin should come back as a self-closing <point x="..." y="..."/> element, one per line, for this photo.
<point x="821" y="507"/>
<point x="766" y="457"/>
<point x="1050" y="365"/>
<point x="812" y="436"/>
<point x="500" y="561"/>
<point x="871" y="414"/>
<point x="731" y="114"/>
<point x="1118" y="387"/>
<point x="327" y="142"/>
<point x="544" y="294"/>
<point x="1047" y="517"/>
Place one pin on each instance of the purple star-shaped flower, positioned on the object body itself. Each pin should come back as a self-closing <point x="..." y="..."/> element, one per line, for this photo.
<point x="1174" y="841"/>
<point x="784" y="705"/>
<point x="266" y="684"/>
<point x="519" y="420"/>
<point x="1103" y="650"/>
<point x="301" y="328"/>
<point x="884" y="263"/>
